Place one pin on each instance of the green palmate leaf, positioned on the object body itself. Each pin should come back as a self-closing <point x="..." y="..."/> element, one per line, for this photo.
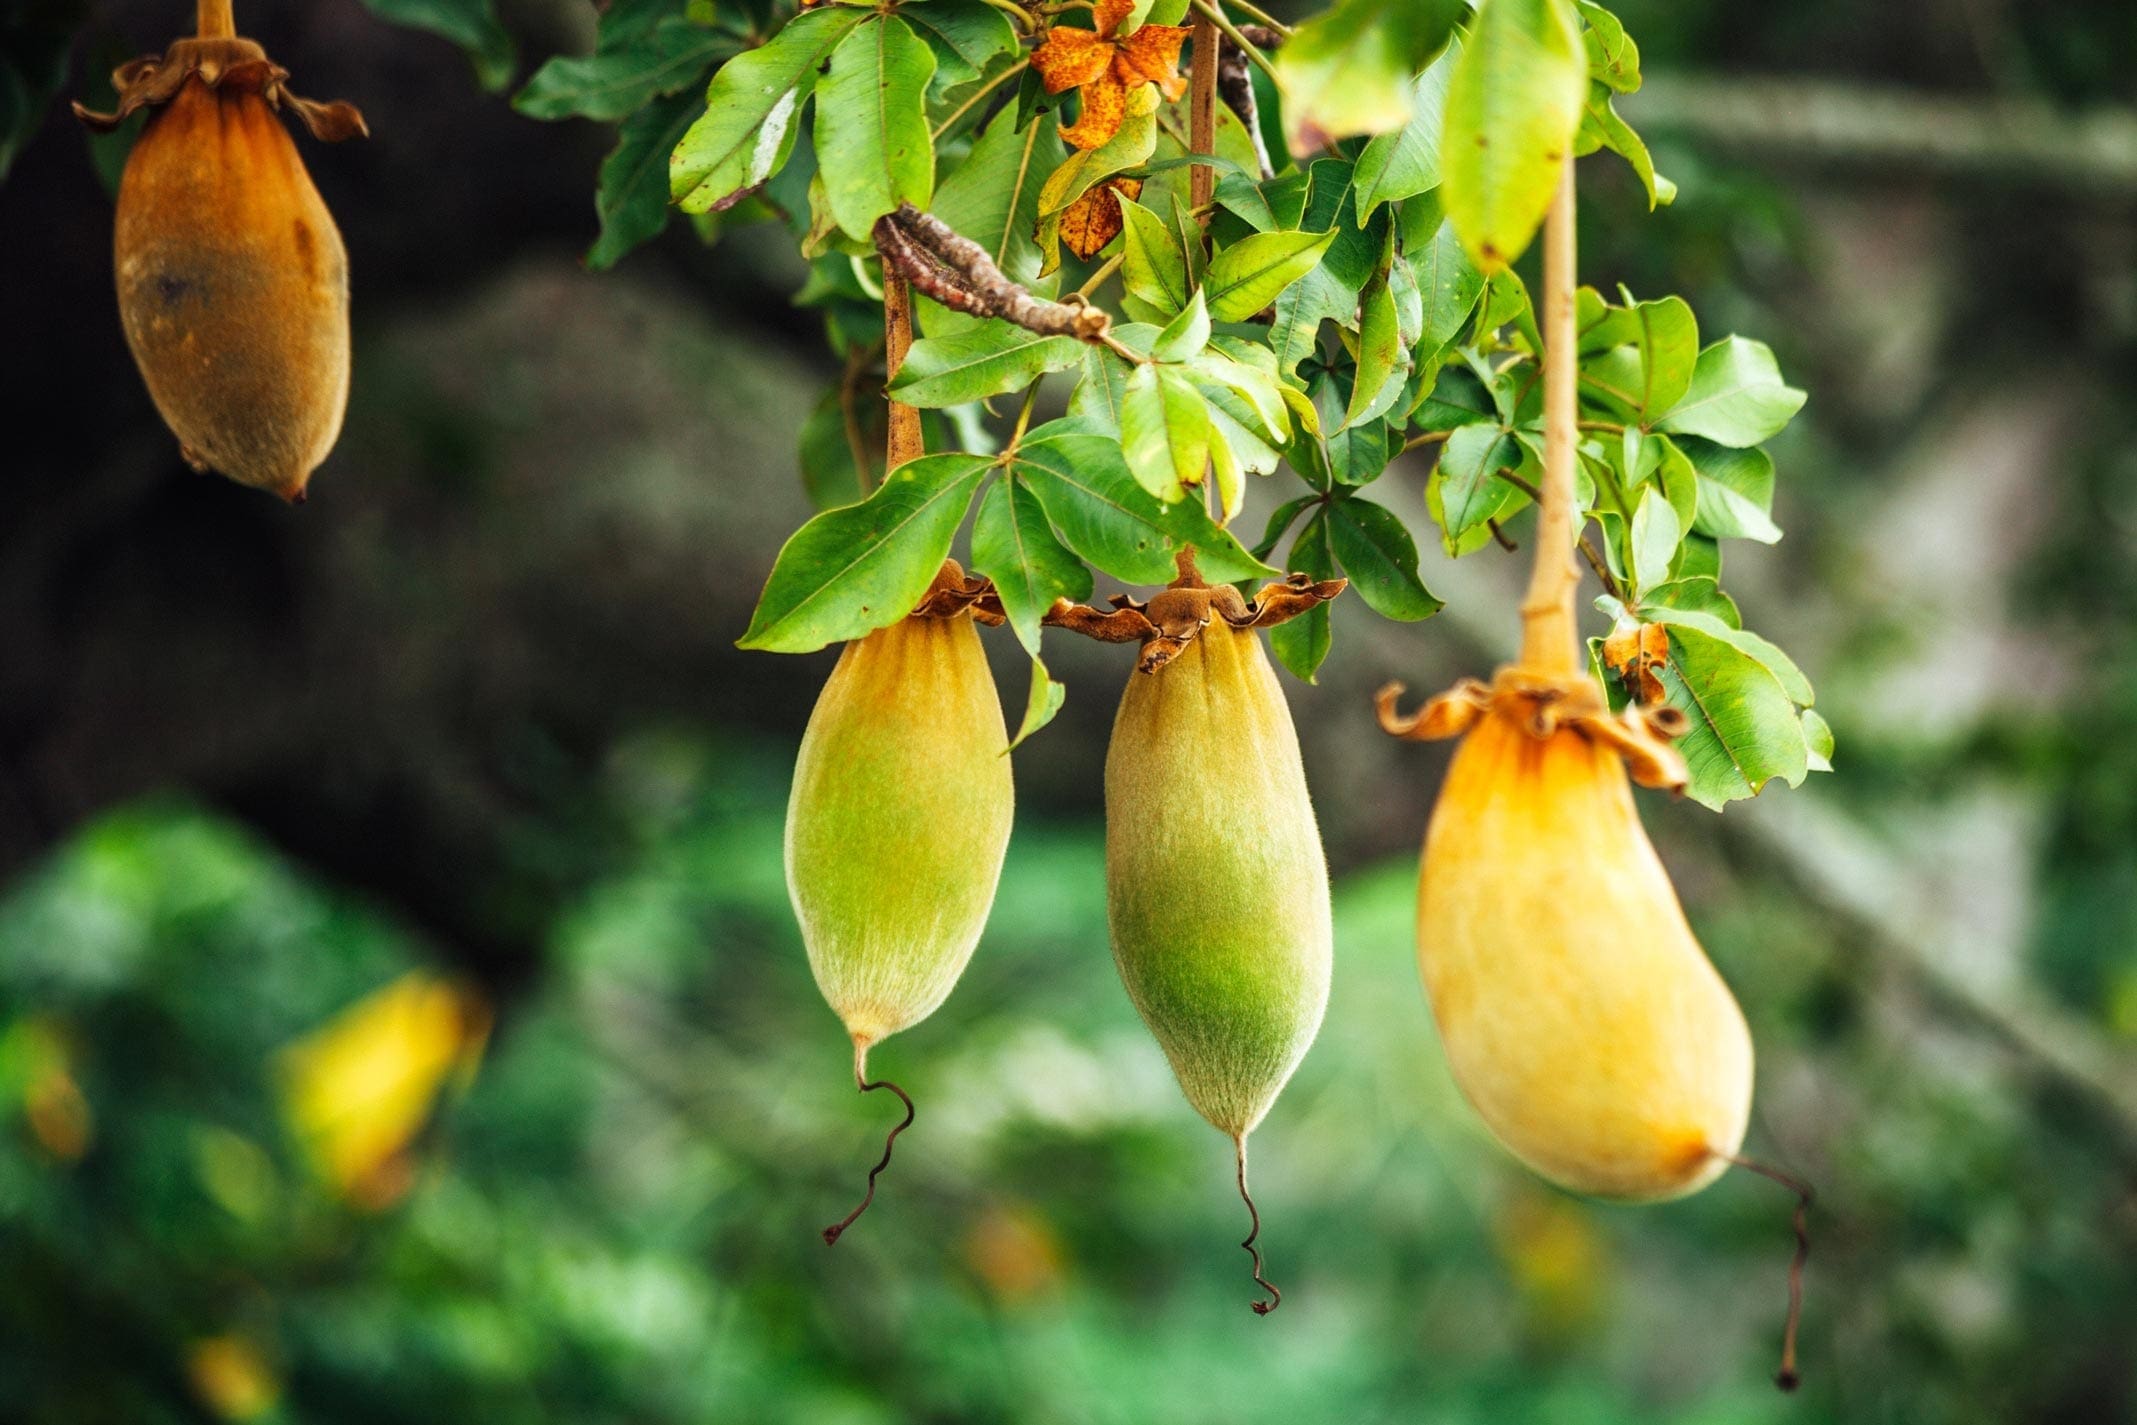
<point x="1280" y="521"/>
<point x="1238" y="195"/>
<point x="1769" y="655"/>
<point x="852" y="570"/>
<point x="1613" y="58"/>
<point x="1745" y="729"/>
<point x="1301" y="644"/>
<point x="614" y="83"/>
<point x="1735" y="491"/>
<point x="1102" y="514"/>
<point x="1253" y="272"/>
<point x="1669" y="353"/>
<point x="1380" y="558"/>
<point x="632" y="194"/>
<point x="993" y="196"/>
<point x="1014" y="545"/>
<point x="1655" y="534"/>
<point x="1406" y="162"/>
<point x="1098" y="395"/>
<point x="1315" y="298"/>
<point x="873" y="149"/>
<point x="1045" y="700"/>
<point x="1248" y="372"/>
<point x="1349" y="71"/>
<point x="1465" y="490"/>
<point x="751" y="108"/>
<point x="966" y="36"/>
<point x="1602" y="127"/>
<point x="1383" y="359"/>
<point x="1737" y="396"/>
<point x="1152" y="267"/>
<point x="1185" y="335"/>
<point x="987" y="360"/>
<point x="1695" y="595"/>
<point x="1164" y="431"/>
<point x="1513" y="107"/>
<point x="470" y="24"/>
<point x="1449" y="284"/>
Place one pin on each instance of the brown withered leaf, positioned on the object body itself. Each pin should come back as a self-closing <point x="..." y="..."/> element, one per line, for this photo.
<point x="1105" y="65"/>
<point x="1095" y="219"/>
<point x="1634" y="651"/>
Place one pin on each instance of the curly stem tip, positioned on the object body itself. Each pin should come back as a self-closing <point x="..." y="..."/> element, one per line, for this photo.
<point x="838" y="1228"/>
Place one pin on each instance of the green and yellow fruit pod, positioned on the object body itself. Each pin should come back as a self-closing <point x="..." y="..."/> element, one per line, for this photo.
<point x="233" y="283"/>
<point x="898" y="823"/>
<point x="1216" y="885"/>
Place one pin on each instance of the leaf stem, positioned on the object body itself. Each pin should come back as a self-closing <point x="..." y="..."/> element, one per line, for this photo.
<point x="1211" y="12"/>
<point x="1098" y="278"/>
<point x="1031" y="399"/>
<point x="1255" y="12"/>
<point x="978" y="94"/>
<point x="1016" y="11"/>
<point x="1549" y="633"/>
<point x="1587" y="548"/>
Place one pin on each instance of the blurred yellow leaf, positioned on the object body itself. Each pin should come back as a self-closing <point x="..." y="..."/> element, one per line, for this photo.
<point x="1550" y="1246"/>
<point x="358" y="1089"/>
<point x="1014" y="1252"/>
<point x="37" y="1061"/>
<point x="231" y="1376"/>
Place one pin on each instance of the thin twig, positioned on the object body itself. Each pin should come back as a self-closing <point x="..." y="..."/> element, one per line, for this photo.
<point x="1256" y="12"/>
<point x="1587" y="549"/>
<point x="957" y="272"/>
<point x="1247" y="47"/>
<point x="1787" y="1378"/>
<point x="1202" y="106"/>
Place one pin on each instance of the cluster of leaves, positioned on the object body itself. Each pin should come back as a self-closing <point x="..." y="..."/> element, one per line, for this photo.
<point x="1354" y="305"/>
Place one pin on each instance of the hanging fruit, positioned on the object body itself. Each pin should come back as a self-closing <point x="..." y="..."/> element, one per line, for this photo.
<point x="1216" y="886"/>
<point x="232" y="280"/>
<point x="898" y="823"/>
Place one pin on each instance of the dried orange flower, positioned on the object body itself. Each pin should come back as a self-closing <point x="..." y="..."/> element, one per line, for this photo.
<point x="1095" y="219"/>
<point x="1105" y="66"/>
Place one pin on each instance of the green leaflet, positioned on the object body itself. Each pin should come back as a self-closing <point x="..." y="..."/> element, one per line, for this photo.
<point x="615" y="83"/>
<point x="1014" y="545"/>
<point x="1253" y="272"/>
<point x="993" y="196"/>
<point x="1349" y="71"/>
<point x="987" y="360"/>
<point x="850" y="571"/>
<point x="1513" y="107"/>
<point x="873" y="150"/>
<point x="751" y="108"/>
<point x="1102" y="514"/>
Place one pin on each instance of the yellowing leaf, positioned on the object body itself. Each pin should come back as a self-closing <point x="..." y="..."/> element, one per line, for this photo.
<point x="358" y="1089"/>
<point x="1095" y="219"/>
<point x="1106" y="65"/>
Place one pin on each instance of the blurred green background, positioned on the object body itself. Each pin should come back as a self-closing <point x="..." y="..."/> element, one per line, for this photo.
<point x="401" y="1018"/>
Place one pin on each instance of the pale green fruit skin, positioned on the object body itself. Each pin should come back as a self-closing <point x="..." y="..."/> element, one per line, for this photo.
<point x="898" y="822"/>
<point x="1216" y="885"/>
<point x="1579" y="1014"/>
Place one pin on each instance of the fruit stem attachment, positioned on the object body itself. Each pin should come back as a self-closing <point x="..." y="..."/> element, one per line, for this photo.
<point x="1202" y="112"/>
<point x="1787" y="1378"/>
<point x="861" y="1080"/>
<point x="1550" y="640"/>
<point x="1276" y="1298"/>
<point x="905" y="441"/>
<point x="215" y="22"/>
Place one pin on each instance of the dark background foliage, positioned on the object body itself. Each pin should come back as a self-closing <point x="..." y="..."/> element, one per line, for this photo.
<point x="475" y="708"/>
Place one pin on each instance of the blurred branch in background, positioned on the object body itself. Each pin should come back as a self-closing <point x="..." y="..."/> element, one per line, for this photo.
<point x="1827" y="122"/>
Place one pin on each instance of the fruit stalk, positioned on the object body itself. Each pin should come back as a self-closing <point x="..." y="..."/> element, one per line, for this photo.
<point x="215" y="22"/>
<point x="1202" y="113"/>
<point x="1550" y="640"/>
<point x="905" y="441"/>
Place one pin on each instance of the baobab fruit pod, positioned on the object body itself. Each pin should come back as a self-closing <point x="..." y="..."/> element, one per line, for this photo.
<point x="1216" y="885"/>
<point x="899" y="820"/>
<point x="232" y="280"/>
<point x="1579" y="1014"/>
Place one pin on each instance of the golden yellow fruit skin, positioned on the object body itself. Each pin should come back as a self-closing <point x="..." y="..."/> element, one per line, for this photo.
<point x="1579" y="1014"/>
<point x="234" y="287"/>
<point x="1216" y="885"/>
<point x="898" y="822"/>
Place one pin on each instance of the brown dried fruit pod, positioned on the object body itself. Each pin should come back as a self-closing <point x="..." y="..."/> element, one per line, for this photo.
<point x="232" y="279"/>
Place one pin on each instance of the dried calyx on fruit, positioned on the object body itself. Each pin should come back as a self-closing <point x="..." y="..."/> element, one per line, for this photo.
<point x="898" y="823"/>
<point x="1216" y="886"/>
<point x="233" y="282"/>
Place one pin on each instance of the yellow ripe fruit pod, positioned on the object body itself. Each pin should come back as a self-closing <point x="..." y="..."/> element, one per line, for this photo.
<point x="1579" y="1014"/>
<point x="899" y="817"/>
<point x="233" y="283"/>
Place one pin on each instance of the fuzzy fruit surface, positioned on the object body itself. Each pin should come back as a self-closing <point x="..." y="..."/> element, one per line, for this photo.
<point x="234" y="287"/>
<point x="1216" y="886"/>
<point x="1579" y="1014"/>
<point x="898" y="822"/>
